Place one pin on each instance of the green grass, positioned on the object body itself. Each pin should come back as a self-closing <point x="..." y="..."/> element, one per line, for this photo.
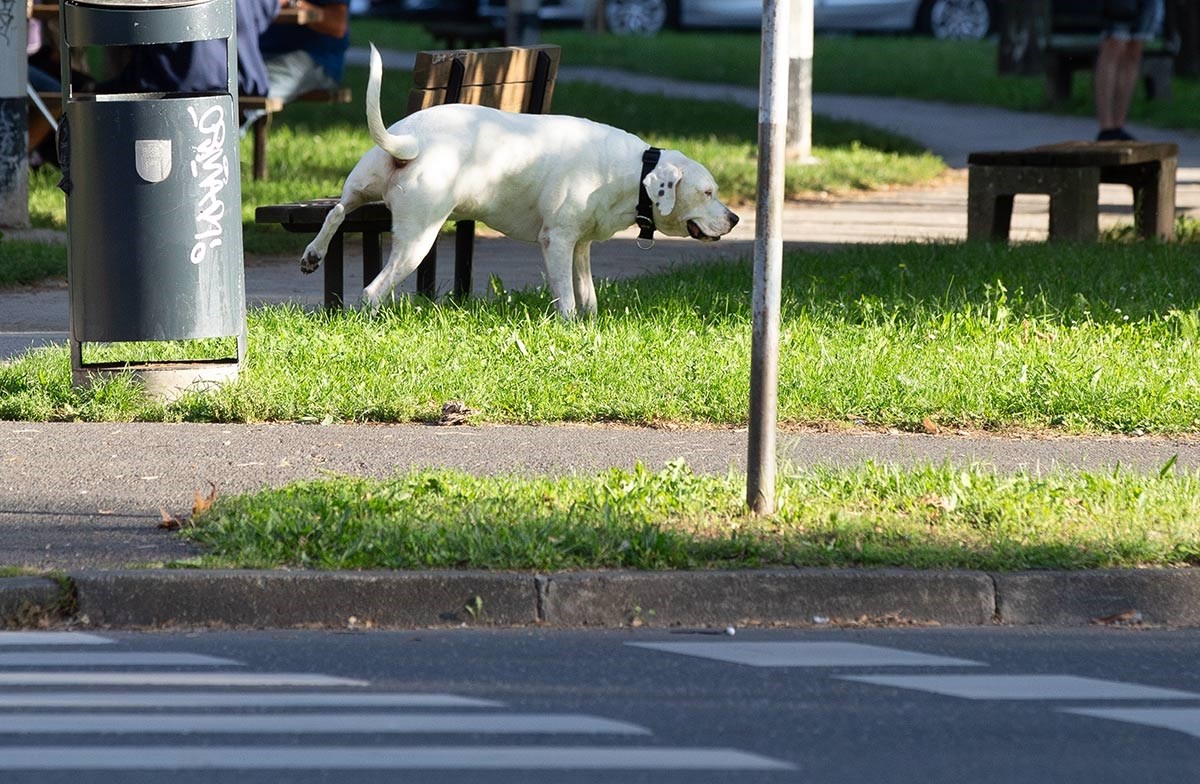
<point x="870" y="515"/>
<point x="1076" y="338"/>
<point x="910" y="67"/>
<point x="28" y="261"/>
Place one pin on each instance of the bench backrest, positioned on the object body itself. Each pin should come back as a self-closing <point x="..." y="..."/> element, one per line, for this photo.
<point x="509" y="78"/>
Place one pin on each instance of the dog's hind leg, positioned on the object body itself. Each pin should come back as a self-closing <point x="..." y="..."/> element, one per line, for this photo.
<point x="409" y="248"/>
<point x="585" y="289"/>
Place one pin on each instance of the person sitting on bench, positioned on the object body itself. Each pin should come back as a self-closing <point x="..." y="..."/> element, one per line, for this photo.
<point x="1129" y="24"/>
<point x="310" y="56"/>
<point x="201" y="66"/>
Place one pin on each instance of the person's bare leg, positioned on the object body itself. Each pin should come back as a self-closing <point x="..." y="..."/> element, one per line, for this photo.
<point x="1128" y="70"/>
<point x="1104" y="81"/>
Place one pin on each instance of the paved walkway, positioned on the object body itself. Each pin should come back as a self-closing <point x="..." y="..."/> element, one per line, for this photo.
<point x="78" y="496"/>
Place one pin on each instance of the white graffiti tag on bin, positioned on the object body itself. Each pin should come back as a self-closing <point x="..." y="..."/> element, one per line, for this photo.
<point x="211" y="163"/>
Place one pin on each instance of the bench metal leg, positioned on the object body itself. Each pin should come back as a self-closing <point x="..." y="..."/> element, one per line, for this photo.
<point x="464" y="257"/>
<point x="334" y="283"/>
<point x="262" y="128"/>
<point x="372" y="255"/>
<point x="427" y="274"/>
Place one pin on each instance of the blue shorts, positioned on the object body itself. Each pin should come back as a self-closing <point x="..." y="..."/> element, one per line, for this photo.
<point x="1146" y="25"/>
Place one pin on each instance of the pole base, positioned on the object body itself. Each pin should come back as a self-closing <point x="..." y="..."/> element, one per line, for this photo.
<point x="164" y="381"/>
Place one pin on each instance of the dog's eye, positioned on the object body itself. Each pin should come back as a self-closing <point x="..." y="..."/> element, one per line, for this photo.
<point x="708" y="194"/>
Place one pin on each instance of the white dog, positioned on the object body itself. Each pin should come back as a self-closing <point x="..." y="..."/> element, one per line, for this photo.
<point x="562" y="182"/>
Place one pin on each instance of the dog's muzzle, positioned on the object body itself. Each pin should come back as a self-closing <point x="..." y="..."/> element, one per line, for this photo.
<point x="697" y="233"/>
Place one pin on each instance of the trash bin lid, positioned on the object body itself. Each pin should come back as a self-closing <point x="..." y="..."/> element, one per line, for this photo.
<point x="139" y="4"/>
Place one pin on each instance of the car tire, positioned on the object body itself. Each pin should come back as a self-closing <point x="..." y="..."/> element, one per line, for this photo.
<point x="968" y="20"/>
<point x="636" y="17"/>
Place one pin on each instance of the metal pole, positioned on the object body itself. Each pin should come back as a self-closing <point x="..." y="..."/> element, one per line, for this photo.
<point x="14" y="118"/>
<point x="768" y="259"/>
<point x="800" y="72"/>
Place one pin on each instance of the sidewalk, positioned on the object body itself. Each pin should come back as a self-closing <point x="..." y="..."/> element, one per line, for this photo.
<point x="85" y="499"/>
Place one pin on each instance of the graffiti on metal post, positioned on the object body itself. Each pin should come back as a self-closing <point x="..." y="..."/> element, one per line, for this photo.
<point x="211" y="166"/>
<point x="8" y="16"/>
<point x="12" y="143"/>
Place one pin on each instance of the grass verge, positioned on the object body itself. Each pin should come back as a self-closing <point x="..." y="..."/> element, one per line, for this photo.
<point x="1078" y="338"/>
<point x="870" y="515"/>
<point x="28" y="261"/>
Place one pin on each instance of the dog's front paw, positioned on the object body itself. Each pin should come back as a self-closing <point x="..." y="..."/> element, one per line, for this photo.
<point x="309" y="262"/>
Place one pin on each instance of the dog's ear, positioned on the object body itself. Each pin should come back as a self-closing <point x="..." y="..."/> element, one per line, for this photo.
<point x="661" y="184"/>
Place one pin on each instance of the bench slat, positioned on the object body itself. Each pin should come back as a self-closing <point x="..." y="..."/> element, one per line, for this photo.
<point x="1115" y="153"/>
<point x="511" y="97"/>
<point x="483" y="66"/>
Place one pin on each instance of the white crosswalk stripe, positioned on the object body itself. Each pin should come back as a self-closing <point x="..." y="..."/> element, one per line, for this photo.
<point x="971" y="686"/>
<point x="139" y="707"/>
<point x="51" y="638"/>
<point x="91" y="659"/>
<point x="1024" y="687"/>
<point x="563" y="758"/>
<point x="805" y="654"/>
<point x="1186" y="720"/>
<point x="210" y="699"/>
<point x="243" y="679"/>
<point x="315" y="723"/>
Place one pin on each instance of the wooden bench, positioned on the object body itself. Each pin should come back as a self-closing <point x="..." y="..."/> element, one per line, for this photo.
<point x="512" y="79"/>
<point x="247" y="103"/>
<point x="1071" y="173"/>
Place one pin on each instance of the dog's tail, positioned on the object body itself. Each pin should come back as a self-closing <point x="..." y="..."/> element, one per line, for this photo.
<point x="401" y="147"/>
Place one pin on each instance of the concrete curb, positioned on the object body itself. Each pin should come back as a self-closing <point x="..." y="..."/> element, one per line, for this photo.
<point x="605" y="599"/>
<point x="25" y="600"/>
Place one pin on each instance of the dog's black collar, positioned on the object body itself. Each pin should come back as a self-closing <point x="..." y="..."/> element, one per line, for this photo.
<point x="645" y="213"/>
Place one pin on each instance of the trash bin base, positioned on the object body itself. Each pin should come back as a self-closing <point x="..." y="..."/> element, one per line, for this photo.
<point x="165" y="381"/>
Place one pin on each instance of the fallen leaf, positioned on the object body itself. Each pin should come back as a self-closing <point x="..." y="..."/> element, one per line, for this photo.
<point x="202" y="503"/>
<point x="929" y="426"/>
<point x="1126" y="618"/>
<point x="169" y="522"/>
<point x="454" y="412"/>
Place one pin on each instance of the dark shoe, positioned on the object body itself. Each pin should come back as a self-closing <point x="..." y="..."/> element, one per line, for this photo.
<point x="1114" y="135"/>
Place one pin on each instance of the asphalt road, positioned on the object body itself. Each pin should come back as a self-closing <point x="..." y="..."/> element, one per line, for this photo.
<point x="927" y="706"/>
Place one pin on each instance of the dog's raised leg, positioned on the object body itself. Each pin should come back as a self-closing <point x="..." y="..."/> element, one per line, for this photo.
<point x="316" y="250"/>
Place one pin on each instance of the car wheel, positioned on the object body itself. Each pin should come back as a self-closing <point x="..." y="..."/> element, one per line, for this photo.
<point x="959" y="19"/>
<point x="635" y="17"/>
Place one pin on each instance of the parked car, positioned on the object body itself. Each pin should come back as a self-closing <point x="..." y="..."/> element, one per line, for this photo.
<point x="967" y="19"/>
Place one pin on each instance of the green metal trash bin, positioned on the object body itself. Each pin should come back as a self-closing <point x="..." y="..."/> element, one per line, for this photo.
<point x="154" y="228"/>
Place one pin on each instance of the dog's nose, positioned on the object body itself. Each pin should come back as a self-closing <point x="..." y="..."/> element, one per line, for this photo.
<point x="733" y="218"/>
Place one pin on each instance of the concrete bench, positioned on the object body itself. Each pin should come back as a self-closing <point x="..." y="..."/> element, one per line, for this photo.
<point x="512" y="79"/>
<point x="1071" y="173"/>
